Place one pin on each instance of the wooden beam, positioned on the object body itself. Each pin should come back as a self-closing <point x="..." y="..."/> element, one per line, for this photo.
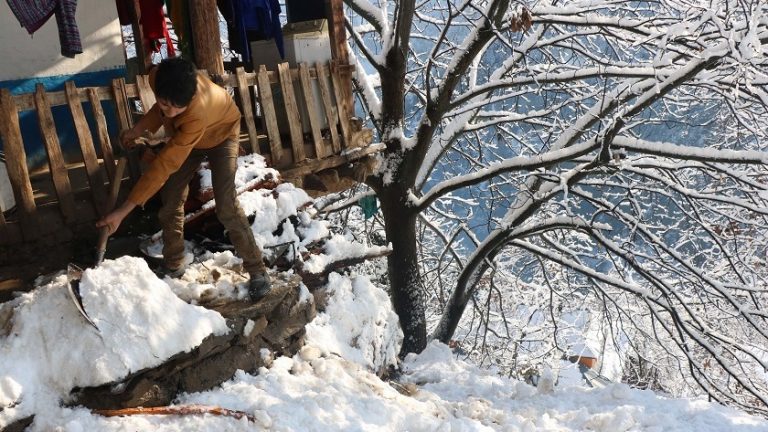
<point x="26" y="101"/>
<point x="245" y="100"/>
<point x="58" y="169"/>
<point x="92" y="168"/>
<point x="16" y="164"/>
<point x="270" y="117"/>
<point x="292" y="111"/>
<point x="313" y="166"/>
<point x="204" y="21"/>
<point x="311" y="104"/>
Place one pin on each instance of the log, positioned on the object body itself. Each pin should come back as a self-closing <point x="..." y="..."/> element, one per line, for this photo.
<point x="316" y="280"/>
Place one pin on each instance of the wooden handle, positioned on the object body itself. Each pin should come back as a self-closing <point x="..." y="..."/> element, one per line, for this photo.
<point x="101" y="245"/>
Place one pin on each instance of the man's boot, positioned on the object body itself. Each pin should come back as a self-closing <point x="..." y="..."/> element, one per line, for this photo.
<point x="259" y="286"/>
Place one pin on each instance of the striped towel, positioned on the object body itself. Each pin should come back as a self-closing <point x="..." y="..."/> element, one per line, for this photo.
<point x="32" y="14"/>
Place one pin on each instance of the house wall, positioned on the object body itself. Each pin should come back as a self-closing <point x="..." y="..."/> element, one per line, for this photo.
<point x="38" y="55"/>
<point x="26" y="60"/>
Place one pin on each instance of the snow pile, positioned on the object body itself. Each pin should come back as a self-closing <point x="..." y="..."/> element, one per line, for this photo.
<point x="474" y="399"/>
<point x="50" y="349"/>
<point x="358" y="324"/>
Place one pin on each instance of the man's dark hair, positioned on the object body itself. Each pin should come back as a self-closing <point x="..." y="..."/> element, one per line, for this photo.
<point x="176" y="81"/>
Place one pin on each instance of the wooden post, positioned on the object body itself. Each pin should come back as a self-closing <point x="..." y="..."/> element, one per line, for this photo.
<point x="336" y="32"/>
<point x="145" y="60"/>
<point x="204" y="19"/>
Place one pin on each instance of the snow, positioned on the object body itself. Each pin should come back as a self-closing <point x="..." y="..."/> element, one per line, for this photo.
<point x="47" y="348"/>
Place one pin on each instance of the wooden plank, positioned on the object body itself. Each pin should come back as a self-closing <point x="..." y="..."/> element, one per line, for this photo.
<point x="270" y="118"/>
<point x="146" y="95"/>
<point x="311" y="104"/>
<point x="121" y="104"/>
<point x="344" y="115"/>
<point x="102" y="131"/>
<point x="245" y="99"/>
<point x="16" y="165"/>
<point x="56" y="163"/>
<point x="92" y="168"/>
<point x="292" y="111"/>
<point x="331" y="114"/>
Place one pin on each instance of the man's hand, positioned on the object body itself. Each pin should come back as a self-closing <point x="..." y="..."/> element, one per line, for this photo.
<point x="113" y="220"/>
<point x="128" y="138"/>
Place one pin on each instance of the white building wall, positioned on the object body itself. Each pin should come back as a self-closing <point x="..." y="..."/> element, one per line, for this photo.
<point x="39" y="55"/>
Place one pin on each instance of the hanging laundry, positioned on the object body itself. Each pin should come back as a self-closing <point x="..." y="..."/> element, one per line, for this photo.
<point x="178" y="12"/>
<point x="152" y="23"/>
<point x="33" y="14"/>
<point x="250" y="20"/>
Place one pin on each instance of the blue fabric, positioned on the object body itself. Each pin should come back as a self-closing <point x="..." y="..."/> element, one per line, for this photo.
<point x="261" y="16"/>
<point x="369" y="204"/>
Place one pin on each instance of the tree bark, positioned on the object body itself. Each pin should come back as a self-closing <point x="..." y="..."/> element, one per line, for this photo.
<point x="404" y="276"/>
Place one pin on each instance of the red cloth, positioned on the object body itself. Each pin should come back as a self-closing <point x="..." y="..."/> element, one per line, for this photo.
<point x="152" y="23"/>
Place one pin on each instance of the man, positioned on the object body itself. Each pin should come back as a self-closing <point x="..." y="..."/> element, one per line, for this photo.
<point x="202" y="121"/>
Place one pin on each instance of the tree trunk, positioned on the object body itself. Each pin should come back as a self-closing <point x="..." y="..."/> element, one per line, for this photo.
<point x="404" y="277"/>
<point x="204" y="17"/>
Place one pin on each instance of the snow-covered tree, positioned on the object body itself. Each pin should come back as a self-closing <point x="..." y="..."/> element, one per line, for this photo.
<point x="610" y="152"/>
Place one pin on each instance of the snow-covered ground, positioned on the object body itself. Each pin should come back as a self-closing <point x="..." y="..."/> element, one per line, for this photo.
<point x="46" y="348"/>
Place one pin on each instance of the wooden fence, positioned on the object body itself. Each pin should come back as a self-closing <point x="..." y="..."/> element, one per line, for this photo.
<point x="286" y="145"/>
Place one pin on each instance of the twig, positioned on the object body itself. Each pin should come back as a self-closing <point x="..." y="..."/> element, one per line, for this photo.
<point x="176" y="410"/>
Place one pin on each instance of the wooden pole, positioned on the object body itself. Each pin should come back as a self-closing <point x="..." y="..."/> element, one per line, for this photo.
<point x="204" y="19"/>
